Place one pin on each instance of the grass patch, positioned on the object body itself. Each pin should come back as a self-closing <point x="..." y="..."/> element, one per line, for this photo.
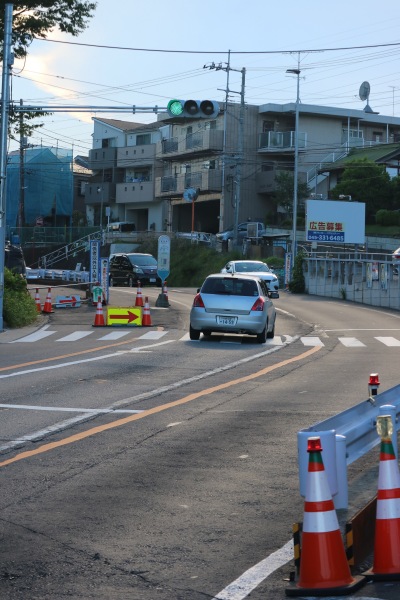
<point x="19" y="308"/>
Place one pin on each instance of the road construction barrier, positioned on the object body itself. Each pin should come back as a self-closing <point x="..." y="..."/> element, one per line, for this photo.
<point x="127" y="316"/>
<point x="68" y="302"/>
<point x="99" y="318"/>
<point x="146" y="320"/>
<point x="37" y="301"/>
<point x="47" y="308"/>
<point x="347" y="437"/>
<point x="324" y="569"/>
<point x="139" y="297"/>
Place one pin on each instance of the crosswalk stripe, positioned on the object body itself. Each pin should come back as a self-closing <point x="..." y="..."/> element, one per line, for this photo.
<point x="35" y="337"/>
<point x="114" y="335"/>
<point x="388" y="341"/>
<point x="152" y="335"/>
<point x="351" y="342"/>
<point x="312" y="341"/>
<point x="73" y="337"/>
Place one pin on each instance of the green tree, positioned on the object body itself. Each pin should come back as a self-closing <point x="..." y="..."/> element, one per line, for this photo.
<point x="297" y="284"/>
<point x="36" y="19"/>
<point x="365" y="181"/>
<point x="284" y="191"/>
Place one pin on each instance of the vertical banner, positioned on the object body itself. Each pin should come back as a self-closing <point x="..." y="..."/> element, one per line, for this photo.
<point x="104" y="268"/>
<point x="288" y="268"/>
<point x="95" y="261"/>
<point x="384" y="276"/>
<point x="163" y="257"/>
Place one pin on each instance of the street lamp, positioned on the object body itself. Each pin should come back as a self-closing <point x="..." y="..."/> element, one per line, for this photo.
<point x="296" y="159"/>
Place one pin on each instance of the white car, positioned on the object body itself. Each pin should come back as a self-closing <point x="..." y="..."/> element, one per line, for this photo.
<point x="235" y="304"/>
<point x="254" y="267"/>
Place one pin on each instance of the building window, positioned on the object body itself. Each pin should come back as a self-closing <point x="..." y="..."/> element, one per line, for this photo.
<point x="143" y="139"/>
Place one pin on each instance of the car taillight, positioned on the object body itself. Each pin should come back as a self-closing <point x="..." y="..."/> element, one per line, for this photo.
<point x="258" y="304"/>
<point x="198" y="301"/>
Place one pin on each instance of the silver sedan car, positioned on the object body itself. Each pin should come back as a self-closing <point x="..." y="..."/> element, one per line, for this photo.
<point x="239" y="304"/>
<point x="253" y="267"/>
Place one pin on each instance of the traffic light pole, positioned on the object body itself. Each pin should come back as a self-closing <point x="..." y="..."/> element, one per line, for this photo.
<point x="5" y="94"/>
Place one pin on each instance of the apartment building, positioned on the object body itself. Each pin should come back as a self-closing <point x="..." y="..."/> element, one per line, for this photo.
<point x="141" y="172"/>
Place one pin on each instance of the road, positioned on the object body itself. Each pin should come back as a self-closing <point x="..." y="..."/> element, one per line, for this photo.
<point x="139" y="464"/>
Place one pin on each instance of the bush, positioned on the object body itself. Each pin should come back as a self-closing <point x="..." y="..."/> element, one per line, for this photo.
<point x="19" y="307"/>
<point x="297" y="284"/>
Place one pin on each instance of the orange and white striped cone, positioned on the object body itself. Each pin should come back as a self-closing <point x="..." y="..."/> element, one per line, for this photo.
<point x="146" y="318"/>
<point x="139" y="297"/>
<point x="386" y="564"/>
<point x="47" y="308"/>
<point x="165" y="290"/>
<point x="99" y="318"/>
<point x="37" y="301"/>
<point x="324" y="569"/>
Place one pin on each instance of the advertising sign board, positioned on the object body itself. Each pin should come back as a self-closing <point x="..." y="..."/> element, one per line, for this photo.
<point x="95" y="261"/>
<point x="333" y="221"/>
<point x="163" y="257"/>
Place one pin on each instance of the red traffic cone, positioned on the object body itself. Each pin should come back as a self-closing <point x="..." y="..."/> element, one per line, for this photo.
<point x="47" y="308"/>
<point x="99" y="318"/>
<point x="386" y="565"/>
<point x="323" y="562"/>
<point x="139" y="297"/>
<point x="37" y="301"/>
<point x="146" y="318"/>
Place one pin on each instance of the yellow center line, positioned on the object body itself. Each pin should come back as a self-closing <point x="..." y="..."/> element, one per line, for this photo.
<point x="157" y="409"/>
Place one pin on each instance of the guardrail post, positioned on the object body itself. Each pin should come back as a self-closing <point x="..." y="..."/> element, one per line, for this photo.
<point x="341" y="499"/>
<point x="328" y="444"/>
<point x="389" y="409"/>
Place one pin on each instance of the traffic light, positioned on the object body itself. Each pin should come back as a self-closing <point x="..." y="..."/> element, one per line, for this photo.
<point x="193" y="109"/>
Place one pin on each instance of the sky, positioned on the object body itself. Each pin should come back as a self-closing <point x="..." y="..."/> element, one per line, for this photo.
<point x="145" y="53"/>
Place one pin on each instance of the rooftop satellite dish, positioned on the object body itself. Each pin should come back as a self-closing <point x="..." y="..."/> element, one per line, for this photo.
<point x="365" y="89"/>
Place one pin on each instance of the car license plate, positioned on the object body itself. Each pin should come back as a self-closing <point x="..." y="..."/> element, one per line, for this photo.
<point x="152" y="279"/>
<point x="226" y="320"/>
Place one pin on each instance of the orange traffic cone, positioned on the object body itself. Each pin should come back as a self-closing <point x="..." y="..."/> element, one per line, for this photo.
<point x="47" y="308"/>
<point x="386" y="565"/>
<point x="146" y="318"/>
<point x="139" y="297"/>
<point x="37" y="301"/>
<point x="99" y="318"/>
<point x="324" y="569"/>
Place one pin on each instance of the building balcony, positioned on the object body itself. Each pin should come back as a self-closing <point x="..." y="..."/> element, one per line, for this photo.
<point x="281" y="141"/>
<point x="208" y="180"/>
<point x="102" y="158"/>
<point x="200" y="142"/>
<point x="136" y="156"/>
<point x="99" y="193"/>
<point x="135" y="192"/>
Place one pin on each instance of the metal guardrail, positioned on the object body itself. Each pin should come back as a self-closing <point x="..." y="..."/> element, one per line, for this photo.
<point x="347" y="437"/>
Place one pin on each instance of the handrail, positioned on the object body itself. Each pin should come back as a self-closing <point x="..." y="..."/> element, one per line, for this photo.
<point x="346" y="437"/>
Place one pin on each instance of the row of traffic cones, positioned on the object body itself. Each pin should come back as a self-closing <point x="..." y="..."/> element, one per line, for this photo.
<point x="47" y="307"/>
<point x="324" y="569"/>
<point x="99" y="320"/>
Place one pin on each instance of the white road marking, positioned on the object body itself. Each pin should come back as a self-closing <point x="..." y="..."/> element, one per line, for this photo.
<point x="64" y="409"/>
<point x="34" y="337"/>
<point x="76" y="335"/>
<point x="250" y="579"/>
<point x="114" y="335"/>
<point x="351" y="342"/>
<point x="312" y="341"/>
<point x="152" y="335"/>
<point x="388" y="341"/>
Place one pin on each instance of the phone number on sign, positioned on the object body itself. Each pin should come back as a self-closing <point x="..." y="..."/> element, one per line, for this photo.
<point x="315" y="236"/>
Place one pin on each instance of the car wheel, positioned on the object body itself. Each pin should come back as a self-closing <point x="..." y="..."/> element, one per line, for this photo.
<point x="194" y="334"/>
<point x="130" y="282"/>
<point x="271" y="334"/>
<point x="262" y="337"/>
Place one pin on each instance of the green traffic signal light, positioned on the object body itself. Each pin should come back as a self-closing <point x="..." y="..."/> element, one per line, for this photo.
<point x="175" y="107"/>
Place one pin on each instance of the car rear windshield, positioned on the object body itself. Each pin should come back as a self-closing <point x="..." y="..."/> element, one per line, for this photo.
<point x="251" y="267"/>
<point x="230" y="286"/>
<point x="143" y="260"/>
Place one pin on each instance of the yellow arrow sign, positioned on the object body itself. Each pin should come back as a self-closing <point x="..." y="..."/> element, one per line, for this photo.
<point x="131" y="316"/>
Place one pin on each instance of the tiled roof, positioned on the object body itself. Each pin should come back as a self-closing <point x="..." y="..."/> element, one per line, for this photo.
<point x="380" y="153"/>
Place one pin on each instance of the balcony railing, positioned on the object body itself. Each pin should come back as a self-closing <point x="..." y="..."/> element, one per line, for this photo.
<point x="281" y="140"/>
<point x="192" y="143"/>
<point x="208" y="180"/>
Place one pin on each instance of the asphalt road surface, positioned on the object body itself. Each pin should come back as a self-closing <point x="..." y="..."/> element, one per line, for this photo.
<point x="137" y="464"/>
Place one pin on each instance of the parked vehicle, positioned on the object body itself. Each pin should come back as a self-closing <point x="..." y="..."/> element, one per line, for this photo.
<point x="245" y="230"/>
<point x="128" y="269"/>
<point x="254" y="267"/>
<point x="235" y="304"/>
<point x="396" y="255"/>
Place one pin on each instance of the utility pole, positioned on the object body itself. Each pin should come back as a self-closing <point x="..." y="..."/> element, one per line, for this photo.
<point x="5" y="95"/>
<point x="22" y="146"/>
<point x="228" y="68"/>
<point x="296" y="157"/>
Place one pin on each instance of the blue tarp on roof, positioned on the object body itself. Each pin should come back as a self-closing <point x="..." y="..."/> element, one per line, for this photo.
<point x="48" y="185"/>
